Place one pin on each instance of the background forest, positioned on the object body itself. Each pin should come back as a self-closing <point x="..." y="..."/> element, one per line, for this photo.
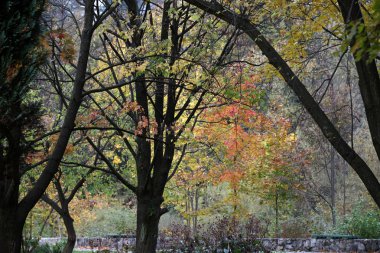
<point x="164" y="118"/>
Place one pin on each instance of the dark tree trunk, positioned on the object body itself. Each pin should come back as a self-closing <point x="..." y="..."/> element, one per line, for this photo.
<point x="64" y="211"/>
<point x="10" y="231"/>
<point x="71" y="235"/>
<point x="148" y="217"/>
<point x="10" y="227"/>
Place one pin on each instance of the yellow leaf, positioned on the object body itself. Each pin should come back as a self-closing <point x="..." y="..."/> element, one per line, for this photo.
<point x="116" y="160"/>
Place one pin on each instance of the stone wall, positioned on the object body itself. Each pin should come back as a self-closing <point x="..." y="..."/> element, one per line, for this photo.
<point x="324" y="245"/>
<point x="270" y="244"/>
<point x="115" y="243"/>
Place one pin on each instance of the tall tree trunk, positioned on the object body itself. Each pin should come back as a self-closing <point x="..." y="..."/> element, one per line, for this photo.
<point x="71" y="235"/>
<point x="276" y="210"/>
<point x="148" y="217"/>
<point x="333" y="186"/>
<point x="10" y="231"/>
<point x="345" y="176"/>
<point x="195" y="213"/>
<point x="10" y="227"/>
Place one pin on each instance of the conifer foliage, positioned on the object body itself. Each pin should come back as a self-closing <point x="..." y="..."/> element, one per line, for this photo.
<point x="20" y="55"/>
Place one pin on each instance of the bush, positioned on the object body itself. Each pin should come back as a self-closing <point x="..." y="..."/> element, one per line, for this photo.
<point x="29" y="244"/>
<point x="112" y="220"/>
<point x="42" y="249"/>
<point x="58" y="247"/>
<point x="295" y="228"/>
<point x="224" y="233"/>
<point x="362" y="223"/>
<point x="46" y="248"/>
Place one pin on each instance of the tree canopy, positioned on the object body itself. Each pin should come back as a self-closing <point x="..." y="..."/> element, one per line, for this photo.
<point x="179" y="108"/>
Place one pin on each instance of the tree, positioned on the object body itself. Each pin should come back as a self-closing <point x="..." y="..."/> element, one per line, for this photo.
<point x="257" y="151"/>
<point x="369" y="84"/>
<point x="61" y="206"/>
<point x="160" y="76"/>
<point x="187" y="189"/>
<point x="19" y="58"/>
<point x="241" y="142"/>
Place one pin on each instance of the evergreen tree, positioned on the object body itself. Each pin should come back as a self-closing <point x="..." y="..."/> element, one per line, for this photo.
<point x="20" y="56"/>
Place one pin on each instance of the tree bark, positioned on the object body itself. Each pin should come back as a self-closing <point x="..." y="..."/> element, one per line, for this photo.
<point x="71" y="235"/>
<point x="10" y="225"/>
<point x="10" y="231"/>
<point x="148" y="217"/>
<point x="64" y="213"/>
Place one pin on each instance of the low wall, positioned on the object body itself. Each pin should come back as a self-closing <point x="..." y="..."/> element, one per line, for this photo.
<point x="324" y="245"/>
<point x="114" y="243"/>
<point x="270" y="244"/>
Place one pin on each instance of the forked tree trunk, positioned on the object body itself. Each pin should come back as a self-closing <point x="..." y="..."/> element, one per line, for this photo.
<point x="148" y="217"/>
<point x="71" y="235"/>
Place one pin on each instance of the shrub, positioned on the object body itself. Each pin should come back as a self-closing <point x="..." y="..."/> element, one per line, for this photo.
<point x="46" y="248"/>
<point x="111" y="220"/>
<point x="58" y="247"/>
<point x="224" y="233"/>
<point x="295" y="228"/>
<point x="362" y="223"/>
<point x="29" y="244"/>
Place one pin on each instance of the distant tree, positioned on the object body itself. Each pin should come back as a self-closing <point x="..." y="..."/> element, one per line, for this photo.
<point x="258" y="153"/>
<point x="62" y="206"/>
